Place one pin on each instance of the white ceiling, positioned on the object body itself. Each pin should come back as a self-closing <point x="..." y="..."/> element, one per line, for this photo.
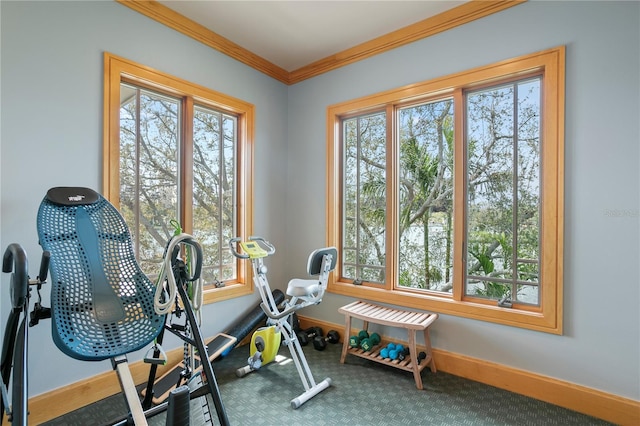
<point x="295" y="33"/>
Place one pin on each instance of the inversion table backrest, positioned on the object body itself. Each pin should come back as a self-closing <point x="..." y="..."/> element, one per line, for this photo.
<point x="101" y="301"/>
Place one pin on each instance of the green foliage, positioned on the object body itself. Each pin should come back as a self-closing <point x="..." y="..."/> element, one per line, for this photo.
<point x="502" y="187"/>
<point x="483" y="254"/>
<point x="406" y="279"/>
<point x="486" y="262"/>
<point x="493" y="290"/>
<point x="435" y="275"/>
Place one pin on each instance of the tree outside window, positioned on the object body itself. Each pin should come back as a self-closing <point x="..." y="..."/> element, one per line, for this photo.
<point x="439" y="193"/>
<point x="179" y="160"/>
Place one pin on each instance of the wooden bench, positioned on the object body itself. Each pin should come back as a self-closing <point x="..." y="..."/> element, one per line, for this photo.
<point x="412" y="321"/>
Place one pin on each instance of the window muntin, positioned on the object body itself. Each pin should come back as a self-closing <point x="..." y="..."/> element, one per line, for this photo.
<point x="536" y="156"/>
<point x="176" y="150"/>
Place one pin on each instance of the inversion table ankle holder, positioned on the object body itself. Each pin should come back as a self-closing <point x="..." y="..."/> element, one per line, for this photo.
<point x="102" y="304"/>
<point x="302" y="292"/>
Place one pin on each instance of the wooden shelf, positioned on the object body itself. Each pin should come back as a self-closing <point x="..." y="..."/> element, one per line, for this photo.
<point x="374" y="355"/>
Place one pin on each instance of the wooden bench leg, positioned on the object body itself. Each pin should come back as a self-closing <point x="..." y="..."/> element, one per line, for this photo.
<point x="427" y="344"/>
<point x="414" y="359"/>
<point x="345" y="339"/>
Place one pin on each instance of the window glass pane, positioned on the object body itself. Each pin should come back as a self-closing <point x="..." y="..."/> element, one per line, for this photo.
<point x="426" y="196"/>
<point x="214" y="144"/>
<point x="364" y="198"/>
<point x="149" y="142"/>
<point x="503" y="200"/>
<point x="528" y="294"/>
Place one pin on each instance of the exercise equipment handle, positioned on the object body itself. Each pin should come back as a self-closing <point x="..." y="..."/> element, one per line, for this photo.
<point x="187" y="240"/>
<point x="264" y="244"/>
<point x="233" y="244"/>
<point x="270" y="247"/>
<point x="15" y="259"/>
<point x="162" y="304"/>
<point x="44" y="266"/>
<point x="15" y="252"/>
<point x="155" y="355"/>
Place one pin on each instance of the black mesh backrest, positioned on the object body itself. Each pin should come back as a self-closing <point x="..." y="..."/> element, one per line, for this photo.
<point x="101" y="302"/>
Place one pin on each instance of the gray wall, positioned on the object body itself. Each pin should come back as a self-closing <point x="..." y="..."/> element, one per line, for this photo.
<point x="600" y="347"/>
<point x="51" y="134"/>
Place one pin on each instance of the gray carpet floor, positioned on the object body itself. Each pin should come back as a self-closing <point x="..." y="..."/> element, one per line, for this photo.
<point x="363" y="393"/>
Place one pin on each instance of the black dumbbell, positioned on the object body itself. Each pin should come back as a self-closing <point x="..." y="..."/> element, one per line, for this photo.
<point x="305" y="336"/>
<point x="405" y="353"/>
<point x="320" y="342"/>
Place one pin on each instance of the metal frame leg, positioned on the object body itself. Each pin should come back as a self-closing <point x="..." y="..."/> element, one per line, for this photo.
<point x="128" y="386"/>
<point x="300" y="360"/>
<point x="204" y="358"/>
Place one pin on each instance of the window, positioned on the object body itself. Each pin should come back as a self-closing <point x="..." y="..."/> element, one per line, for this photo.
<point x="447" y="195"/>
<point x="177" y="155"/>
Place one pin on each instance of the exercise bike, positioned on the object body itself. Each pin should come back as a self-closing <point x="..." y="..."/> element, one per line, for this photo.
<point x="266" y="341"/>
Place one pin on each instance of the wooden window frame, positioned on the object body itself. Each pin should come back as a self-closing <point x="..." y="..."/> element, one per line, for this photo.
<point x="548" y="317"/>
<point x="118" y="70"/>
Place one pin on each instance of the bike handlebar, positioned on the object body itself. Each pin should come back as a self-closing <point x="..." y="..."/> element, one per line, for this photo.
<point x="233" y="242"/>
<point x="232" y="245"/>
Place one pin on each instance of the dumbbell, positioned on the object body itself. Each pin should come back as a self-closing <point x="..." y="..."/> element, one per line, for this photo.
<point x="368" y="343"/>
<point x="394" y="351"/>
<point x="354" y="341"/>
<point x="305" y="336"/>
<point x="320" y="342"/>
<point x="402" y="354"/>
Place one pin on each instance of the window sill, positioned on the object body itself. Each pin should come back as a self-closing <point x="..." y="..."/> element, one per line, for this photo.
<point x="229" y="291"/>
<point x="514" y="317"/>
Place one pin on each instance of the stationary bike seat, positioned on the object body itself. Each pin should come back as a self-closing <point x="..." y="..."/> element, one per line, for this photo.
<point x="302" y="288"/>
